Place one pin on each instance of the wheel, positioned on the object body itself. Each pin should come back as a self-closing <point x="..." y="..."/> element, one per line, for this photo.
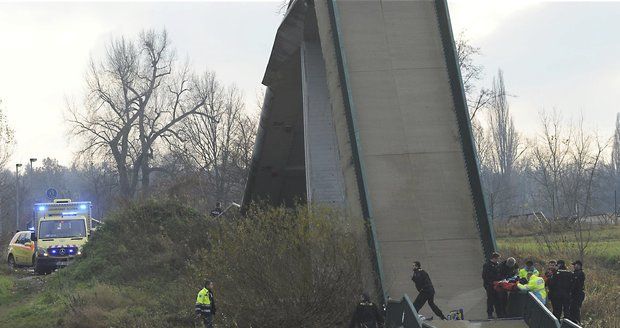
<point x="37" y="268"/>
<point x="11" y="262"/>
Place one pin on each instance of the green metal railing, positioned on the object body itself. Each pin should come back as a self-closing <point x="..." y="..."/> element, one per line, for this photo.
<point x="537" y="315"/>
<point x="394" y="313"/>
<point x="402" y="314"/>
<point x="516" y="305"/>
<point x="569" y="324"/>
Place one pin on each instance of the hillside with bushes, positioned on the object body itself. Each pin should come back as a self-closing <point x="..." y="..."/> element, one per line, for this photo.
<point x="143" y="268"/>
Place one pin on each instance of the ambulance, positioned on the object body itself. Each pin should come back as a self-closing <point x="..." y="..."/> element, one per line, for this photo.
<point x="61" y="230"/>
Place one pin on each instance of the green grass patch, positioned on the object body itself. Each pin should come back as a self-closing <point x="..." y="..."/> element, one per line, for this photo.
<point x="40" y="310"/>
<point x="603" y="245"/>
<point x="6" y="289"/>
<point x="602" y="263"/>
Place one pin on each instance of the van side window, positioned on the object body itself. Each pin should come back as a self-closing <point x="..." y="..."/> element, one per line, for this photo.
<point x="21" y="239"/>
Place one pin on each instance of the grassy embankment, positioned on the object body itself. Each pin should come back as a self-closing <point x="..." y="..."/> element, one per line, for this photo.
<point x="601" y="309"/>
<point x="144" y="267"/>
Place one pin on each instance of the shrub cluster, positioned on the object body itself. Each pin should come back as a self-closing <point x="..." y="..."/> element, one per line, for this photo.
<point x="273" y="267"/>
<point x="282" y="267"/>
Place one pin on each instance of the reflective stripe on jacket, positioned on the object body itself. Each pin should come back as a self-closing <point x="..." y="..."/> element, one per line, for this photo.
<point x="536" y="285"/>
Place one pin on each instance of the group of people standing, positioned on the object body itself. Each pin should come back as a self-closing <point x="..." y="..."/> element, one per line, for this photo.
<point x="563" y="288"/>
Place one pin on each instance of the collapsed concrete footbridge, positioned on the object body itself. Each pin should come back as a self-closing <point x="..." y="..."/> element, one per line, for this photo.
<point x="365" y="111"/>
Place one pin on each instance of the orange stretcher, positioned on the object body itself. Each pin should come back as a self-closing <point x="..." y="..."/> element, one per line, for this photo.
<point x="505" y="286"/>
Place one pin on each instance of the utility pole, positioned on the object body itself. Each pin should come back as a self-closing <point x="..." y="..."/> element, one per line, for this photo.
<point x="615" y="203"/>
<point x="17" y="166"/>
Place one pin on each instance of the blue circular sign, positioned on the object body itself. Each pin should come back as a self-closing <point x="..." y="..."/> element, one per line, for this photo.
<point x="51" y="193"/>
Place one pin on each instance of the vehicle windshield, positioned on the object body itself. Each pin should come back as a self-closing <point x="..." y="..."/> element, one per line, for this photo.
<point x="62" y="229"/>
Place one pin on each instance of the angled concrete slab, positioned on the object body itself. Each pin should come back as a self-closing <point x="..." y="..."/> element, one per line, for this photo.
<point x="366" y="112"/>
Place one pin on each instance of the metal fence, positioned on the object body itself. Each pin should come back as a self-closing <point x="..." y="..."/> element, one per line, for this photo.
<point x="537" y="315"/>
<point x="569" y="324"/>
<point x="515" y="307"/>
<point x="402" y="314"/>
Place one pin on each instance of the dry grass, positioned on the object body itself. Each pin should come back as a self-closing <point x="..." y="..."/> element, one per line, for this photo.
<point x="102" y="305"/>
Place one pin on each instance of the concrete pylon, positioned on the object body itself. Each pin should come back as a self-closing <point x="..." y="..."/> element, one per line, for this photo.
<point x="365" y="111"/>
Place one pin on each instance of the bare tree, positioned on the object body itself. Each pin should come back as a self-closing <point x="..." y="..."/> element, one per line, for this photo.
<point x="7" y="142"/>
<point x="7" y="139"/>
<point x="499" y="149"/>
<point x="585" y="158"/>
<point x="615" y="158"/>
<point x="550" y="154"/>
<point x="101" y="185"/>
<point x="507" y="146"/>
<point x="219" y="144"/>
<point x="137" y="95"/>
<point x="567" y="160"/>
<point x="471" y="74"/>
<point x="283" y="6"/>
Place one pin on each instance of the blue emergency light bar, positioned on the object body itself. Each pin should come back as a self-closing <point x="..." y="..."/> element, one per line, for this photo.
<point x="62" y="207"/>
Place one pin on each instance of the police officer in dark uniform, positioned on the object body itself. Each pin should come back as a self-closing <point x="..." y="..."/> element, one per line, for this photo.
<point x="366" y="314"/>
<point x="426" y="290"/>
<point x="490" y="274"/>
<point x="560" y="286"/>
<point x="217" y="211"/>
<point x="577" y="293"/>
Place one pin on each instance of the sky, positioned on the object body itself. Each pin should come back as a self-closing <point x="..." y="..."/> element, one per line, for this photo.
<point x="555" y="55"/>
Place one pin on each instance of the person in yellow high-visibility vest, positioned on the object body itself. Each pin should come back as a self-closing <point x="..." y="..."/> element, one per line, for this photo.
<point x="535" y="285"/>
<point x="205" y="304"/>
<point x="528" y="269"/>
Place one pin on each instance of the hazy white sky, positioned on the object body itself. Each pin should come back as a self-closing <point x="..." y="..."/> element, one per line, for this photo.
<point x="554" y="55"/>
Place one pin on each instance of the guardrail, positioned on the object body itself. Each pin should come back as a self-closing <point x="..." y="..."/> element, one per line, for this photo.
<point x="402" y="314"/>
<point x="516" y="304"/>
<point x="569" y="324"/>
<point x="537" y="315"/>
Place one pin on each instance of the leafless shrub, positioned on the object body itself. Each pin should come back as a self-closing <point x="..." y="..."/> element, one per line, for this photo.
<point x="285" y="268"/>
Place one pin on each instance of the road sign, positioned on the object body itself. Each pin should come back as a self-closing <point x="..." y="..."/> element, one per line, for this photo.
<point x="51" y="193"/>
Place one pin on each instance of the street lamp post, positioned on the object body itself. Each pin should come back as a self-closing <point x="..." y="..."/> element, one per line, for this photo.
<point x="17" y="166"/>
<point x="32" y="160"/>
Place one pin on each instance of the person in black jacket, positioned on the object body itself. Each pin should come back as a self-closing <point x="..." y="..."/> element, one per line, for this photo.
<point x="426" y="290"/>
<point x="490" y="274"/>
<point x="366" y="314"/>
<point x="559" y="285"/>
<point x="217" y="211"/>
<point x="577" y="293"/>
<point x="508" y="268"/>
